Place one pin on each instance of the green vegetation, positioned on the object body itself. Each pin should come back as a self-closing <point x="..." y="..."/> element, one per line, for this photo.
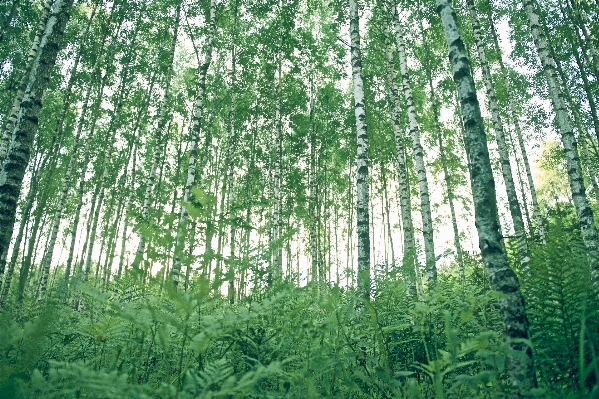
<point x="299" y="199"/>
<point x="135" y="341"/>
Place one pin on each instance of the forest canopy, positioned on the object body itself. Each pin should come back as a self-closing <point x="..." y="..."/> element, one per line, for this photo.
<point x="299" y="199"/>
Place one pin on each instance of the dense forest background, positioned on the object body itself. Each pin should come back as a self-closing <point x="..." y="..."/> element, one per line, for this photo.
<point x="299" y="199"/>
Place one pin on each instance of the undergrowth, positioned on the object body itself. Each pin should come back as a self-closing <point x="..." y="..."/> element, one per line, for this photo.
<point x="310" y="342"/>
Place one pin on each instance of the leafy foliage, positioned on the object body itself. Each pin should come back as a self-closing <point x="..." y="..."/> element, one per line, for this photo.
<point x="293" y="342"/>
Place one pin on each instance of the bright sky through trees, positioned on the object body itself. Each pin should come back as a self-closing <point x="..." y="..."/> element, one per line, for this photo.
<point x="402" y="170"/>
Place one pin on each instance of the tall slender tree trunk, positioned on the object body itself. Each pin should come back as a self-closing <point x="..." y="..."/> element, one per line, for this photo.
<point x="362" y="155"/>
<point x="159" y="134"/>
<point x="127" y="207"/>
<point x="504" y="156"/>
<point x="75" y="226"/>
<point x="575" y="108"/>
<point x="47" y="259"/>
<point x="590" y="166"/>
<point x="25" y="270"/>
<point x="580" y="27"/>
<point x="446" y="175"/>
<point x="418" y="153"/>
<point x="231" y="157"/>
<point x="95" y="216"/>
<point x="195" y="133"/>
<point x="409" y="262"/>
<point x="387" y="212"/>
<point x="138" y="125"/>
<point x="19" y="152"/>
<point x="536" y="209"/>
<point x="526" y="211"/>
<point x="444" y="162"/>
<point x="313" y="188"/>
<point x="277" y="261"/>
<point x="501" y="277"/>
<point x="562" y="119"/>
<point x="577" y="44"/>
<point x="26" y="212"/>
<point x="7" y="132"/>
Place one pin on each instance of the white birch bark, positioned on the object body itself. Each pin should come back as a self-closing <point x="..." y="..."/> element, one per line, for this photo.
<point x="6" y="133"/>
<point x="590" y="167"/>
<point x="99" y="199"/>
<point x="410" y="262"/>
<point x="362" y="155"/>
<point x="193" y="147"/>
<point x="231" y="155"/>
<point x="418" y="153"/>
<point x="47" y="259"/>
<point x="13" y="170"/>
<point x="501" y="277"/>
<point x="446" y="173"/>
<point x="562" y="120"/>
<point x="277" y="261"/>
<point x="313" y="198"/>
<point x="74" y="227"/>
<point x="159" y="133"/>
<point x="504" y="156"/>
<point x="126" y="209"/>
<point x="536" y="209"/>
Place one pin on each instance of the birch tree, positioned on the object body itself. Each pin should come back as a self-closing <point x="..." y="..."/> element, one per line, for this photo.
<point x="536" y="210"/>
<point x="6" y="134"/>
<point x="19" y="152"/>
<point x="362" y="155"/>
<point x="409" y="261"/>
<point x="501" y="277"/>
<point x="504" y="156"/>
<point x="418" y="153"/>
<point x="159" y="134"/>
<point x="195" y="128"/>
<point x="562" y="120"/>
<point x="443" y="156"/>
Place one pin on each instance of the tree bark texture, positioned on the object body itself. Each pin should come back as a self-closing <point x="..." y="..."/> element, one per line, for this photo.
<point x="159" y="145"/>
<point x="362" y="188"/>
<point x="562" y="120"/>
<point x="418" y="153"/>
<point x="193" y="148"/>
<point x="7" y="131"/>
<point x="19" y="152"/>
<point x="409" y="261"/>
<point x="504" y="156"/>
<point x="501" y="277"/>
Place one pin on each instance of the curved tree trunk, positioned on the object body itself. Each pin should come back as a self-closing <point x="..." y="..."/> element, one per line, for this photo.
<point x="501" y="277"/>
